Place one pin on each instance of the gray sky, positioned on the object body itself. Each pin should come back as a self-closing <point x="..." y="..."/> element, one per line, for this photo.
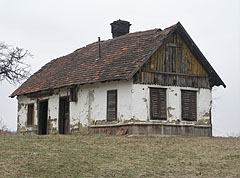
<point x="50" y="29"/>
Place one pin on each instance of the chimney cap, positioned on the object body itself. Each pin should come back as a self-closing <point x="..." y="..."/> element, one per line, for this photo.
<point x="121" y="21"/>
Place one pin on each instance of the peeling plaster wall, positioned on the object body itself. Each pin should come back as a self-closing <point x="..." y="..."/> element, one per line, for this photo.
<point x="141" y="103"/>
<point x="92" y="103"/>
<point x="53" y="104"/>
<point x="23" y="102"/>
<point x="90" y="108"/>
<point x="133" y="105"/>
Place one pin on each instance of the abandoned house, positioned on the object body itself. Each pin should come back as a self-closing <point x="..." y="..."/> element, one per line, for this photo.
<point x="148" y="82"/>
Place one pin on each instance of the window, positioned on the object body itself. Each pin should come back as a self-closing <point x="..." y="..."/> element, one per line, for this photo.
<point x="73" y="94"/>
<point x="173" y="62"/>
<point x="189" y="105"/>
<point x="158" y="104"/>
<point x="111" y="105"/>
<point x="30" y="115"/>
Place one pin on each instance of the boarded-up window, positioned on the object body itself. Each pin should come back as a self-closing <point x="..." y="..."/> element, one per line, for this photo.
<point x="158" y="104"/>
<point x="189" y="105"/>
<point x="30" y="114"/>
<point x="112" y="105"/>
<point x="173" y="62"/>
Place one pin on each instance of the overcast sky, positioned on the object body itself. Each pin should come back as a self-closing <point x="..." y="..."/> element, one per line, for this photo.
<point x="50" y="29"/>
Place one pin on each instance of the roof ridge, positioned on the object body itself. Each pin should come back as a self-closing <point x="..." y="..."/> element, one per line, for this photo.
<point x="126" y="35"/>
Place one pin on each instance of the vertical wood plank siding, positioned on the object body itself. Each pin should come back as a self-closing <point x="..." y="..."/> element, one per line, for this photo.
<point x="111" y="105"/>
<point x="173" y="64"/>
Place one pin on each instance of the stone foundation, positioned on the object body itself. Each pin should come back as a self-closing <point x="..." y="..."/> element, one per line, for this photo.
<point x="152" y="128"/>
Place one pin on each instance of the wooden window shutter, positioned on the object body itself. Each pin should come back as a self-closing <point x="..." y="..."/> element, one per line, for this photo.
<point x="30" y="114"/>
<point x="158" y="104"/>
<point x="73" y="94"/>
<point x="189" y="105"/>
<point x="112" y="105"/>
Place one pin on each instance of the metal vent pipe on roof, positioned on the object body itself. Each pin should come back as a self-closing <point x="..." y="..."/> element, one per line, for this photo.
<point x="99" y="47"/>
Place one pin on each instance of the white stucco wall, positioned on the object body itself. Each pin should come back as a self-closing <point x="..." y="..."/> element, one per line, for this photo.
<point x="141" y="102"/>
<point x="133" y="104"/>
<point x="23" y="102"/>
<point x="92" y="102"/>
<point x="53" y="104"/>
<point x="91" y="105"/>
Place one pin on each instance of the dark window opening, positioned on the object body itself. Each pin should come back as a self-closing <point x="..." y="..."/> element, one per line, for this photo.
<point x="112" y="105"/>
<point x="42" y="117"/>
<point x="73" y="94"/>
<point x="158" y="104"/>
<point x="30" y="115"/>
<point x="63" y="123"/>
<point x="189" y="105"/>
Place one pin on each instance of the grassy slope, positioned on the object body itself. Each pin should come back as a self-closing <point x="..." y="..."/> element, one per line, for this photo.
<point x="139" y="156"/>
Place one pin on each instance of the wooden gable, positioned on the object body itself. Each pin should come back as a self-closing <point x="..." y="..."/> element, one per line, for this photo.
<point x="174" y="56"/>
<point x="173" y="64"/>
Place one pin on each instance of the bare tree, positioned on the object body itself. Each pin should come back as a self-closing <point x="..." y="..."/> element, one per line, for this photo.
<point x="12" y="65"/>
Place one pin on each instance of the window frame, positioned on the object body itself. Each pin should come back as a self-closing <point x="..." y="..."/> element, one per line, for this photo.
<point x="191" y="105"/>
<point x="159" y="105"/>
<point x="30" y="116"/>
<point x="115" y="91"/>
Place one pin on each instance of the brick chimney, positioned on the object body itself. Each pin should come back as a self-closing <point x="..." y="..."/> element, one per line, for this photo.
<point x="119" y="28"/>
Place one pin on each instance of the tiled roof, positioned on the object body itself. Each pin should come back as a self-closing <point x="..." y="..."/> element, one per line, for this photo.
<point x="121" y="57"/>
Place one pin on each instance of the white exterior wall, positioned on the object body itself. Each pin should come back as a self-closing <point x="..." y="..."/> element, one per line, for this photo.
<point x="141" y="102"/>
<point x="53" y="104"/>
<point x="23" y="102"/>
<point x="133" y="104"/>
<point x="92" y="102"/>
<point x="91" y="105"/>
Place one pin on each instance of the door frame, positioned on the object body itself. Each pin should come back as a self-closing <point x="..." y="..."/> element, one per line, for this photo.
<point x="68" y="122"/>
<point x="40" y="101"/>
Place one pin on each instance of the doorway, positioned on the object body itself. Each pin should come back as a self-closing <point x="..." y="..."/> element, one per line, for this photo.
<point x="42" y="115"/>
<point x="63" y="124"/>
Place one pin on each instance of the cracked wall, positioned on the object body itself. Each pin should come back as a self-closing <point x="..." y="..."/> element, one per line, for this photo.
<point x="91" y="108"/>
<point x="141" y="104"/>
<point x="133" y="105"/>
<point x="53" y="104"/>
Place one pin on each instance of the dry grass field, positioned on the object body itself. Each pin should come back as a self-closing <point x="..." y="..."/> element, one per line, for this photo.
<point x="135" y="156"/>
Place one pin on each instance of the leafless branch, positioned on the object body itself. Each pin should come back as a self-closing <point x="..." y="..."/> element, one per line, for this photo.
<point x="12" y="65"/>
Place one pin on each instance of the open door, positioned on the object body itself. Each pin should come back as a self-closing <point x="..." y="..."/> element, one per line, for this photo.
<point x="42" y="117"/>
<point x="63" y="123"/>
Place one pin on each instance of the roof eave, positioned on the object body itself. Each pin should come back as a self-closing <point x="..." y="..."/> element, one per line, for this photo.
<point x="210" y="70"/>
<point x="83" y="83"/>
